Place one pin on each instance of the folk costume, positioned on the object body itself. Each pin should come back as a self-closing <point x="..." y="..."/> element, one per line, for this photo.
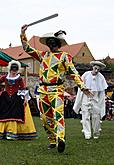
<point x="15" y="117"/>
<point x="53" y="69"/>
<point x="93" y="109"/>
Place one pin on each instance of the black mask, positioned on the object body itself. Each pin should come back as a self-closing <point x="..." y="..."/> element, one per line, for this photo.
<point x="53" y="42"/>
<point x="14" y="67"/>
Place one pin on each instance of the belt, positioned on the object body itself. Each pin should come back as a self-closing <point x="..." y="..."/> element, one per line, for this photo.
<point x="51" y="84"/>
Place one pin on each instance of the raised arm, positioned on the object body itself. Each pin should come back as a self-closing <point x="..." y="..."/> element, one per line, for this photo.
<point x="28" y="49"/>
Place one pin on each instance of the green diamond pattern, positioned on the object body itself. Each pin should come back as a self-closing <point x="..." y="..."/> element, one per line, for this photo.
<point x="53" y="103"/>
<point x="45" y="107"/>
<point x="55" y="68"/>
<point x="45" y="73"/>
<point x="55" y="129"/>
<point x="70" y="71"/>
<point x="58" y="116"/>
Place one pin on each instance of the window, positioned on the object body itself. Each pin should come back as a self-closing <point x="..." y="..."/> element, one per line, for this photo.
<point x="83" y="54"/>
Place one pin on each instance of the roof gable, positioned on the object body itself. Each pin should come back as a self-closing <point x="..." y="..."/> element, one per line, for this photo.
<point x="73" y="49"/>
<point x="19" y="53"/>
<point x="16" y="52"/>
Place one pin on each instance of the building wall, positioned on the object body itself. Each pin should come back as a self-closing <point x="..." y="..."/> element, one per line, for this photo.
<point x="84" y="56"/>
<point x="110" y="61"/>
<point x="33" y="65"/>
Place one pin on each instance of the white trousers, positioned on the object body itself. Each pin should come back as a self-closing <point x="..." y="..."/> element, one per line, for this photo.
<point x="91" y="119"/>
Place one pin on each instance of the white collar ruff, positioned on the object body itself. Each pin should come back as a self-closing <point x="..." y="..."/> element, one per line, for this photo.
<point x="12" y="78"/>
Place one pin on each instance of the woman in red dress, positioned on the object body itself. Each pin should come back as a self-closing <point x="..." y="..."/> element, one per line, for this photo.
<point x="15" y="117"/>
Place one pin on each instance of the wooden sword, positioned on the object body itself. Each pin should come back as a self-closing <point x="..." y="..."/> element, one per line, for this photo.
<point x="43" y="19"/>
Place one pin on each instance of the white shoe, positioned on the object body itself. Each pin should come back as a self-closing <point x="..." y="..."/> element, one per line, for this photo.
<point x="95" y="137"/>
<point x="87" y="137"/>
<point x="82" y="131"/>
<point x="81" y="121"/>
<point x="100" y="129"/>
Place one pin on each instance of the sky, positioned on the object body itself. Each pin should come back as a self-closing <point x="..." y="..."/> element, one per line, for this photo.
<point x="90" y="21"/>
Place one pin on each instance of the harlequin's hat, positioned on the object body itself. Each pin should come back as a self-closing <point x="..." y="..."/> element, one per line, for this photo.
<point x="58" y="35"/>
<point x="14" y="65"/>
<point x="98" y="63"/>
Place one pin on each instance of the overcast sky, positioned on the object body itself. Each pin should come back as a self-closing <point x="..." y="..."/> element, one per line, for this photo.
<point x="90" y="21"/>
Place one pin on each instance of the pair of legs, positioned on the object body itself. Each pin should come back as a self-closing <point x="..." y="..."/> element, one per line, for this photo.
<point x="52" y="114"/>
<point x="91" y="121"/>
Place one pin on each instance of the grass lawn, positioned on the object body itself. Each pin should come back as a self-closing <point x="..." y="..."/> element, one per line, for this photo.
<point x="78" y="150"/>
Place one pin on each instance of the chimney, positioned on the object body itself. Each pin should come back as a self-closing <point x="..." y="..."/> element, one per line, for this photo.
<point x="10" y="45"/>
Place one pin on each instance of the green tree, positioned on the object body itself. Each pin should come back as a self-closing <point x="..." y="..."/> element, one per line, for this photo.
<point x="109" y="66"/>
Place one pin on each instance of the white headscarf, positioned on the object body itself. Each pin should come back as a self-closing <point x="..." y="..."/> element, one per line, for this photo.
<point x="14" y="62"/>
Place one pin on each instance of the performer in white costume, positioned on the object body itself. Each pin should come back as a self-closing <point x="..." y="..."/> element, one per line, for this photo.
<point x="93" y="109"/>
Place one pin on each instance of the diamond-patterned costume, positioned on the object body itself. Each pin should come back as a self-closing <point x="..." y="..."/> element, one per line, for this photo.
<point x="53" y="70"/>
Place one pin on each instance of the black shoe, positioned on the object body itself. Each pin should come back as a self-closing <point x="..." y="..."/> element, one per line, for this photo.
<point x="50" y="146"/>
<point x="61" y="146"/>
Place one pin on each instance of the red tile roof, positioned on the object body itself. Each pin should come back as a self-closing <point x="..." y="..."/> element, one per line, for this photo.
<point x="16" y="52"/>
<point x="19" y="53"/>
<point x="73" y="49"/>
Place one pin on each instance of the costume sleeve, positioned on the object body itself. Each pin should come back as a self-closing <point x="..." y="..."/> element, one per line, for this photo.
<point x="73" y="72"/>
<point x="2" y="79"/>
<point x="78" y="101"/>
<point x="28" y="49"/>
<point x="101" y="103"/>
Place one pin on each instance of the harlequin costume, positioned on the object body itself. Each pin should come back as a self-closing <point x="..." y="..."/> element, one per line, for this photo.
<point x="15" y="118"/>
<point x="53" y="69"/>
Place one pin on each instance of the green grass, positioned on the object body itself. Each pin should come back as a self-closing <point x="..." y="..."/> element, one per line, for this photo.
<point x="78" y="150"/>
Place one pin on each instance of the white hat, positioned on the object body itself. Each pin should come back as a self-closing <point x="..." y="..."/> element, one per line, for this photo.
<point x="14" y="62"/>
<point x="92" y="63"/>
<point x="58" y="35"/>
